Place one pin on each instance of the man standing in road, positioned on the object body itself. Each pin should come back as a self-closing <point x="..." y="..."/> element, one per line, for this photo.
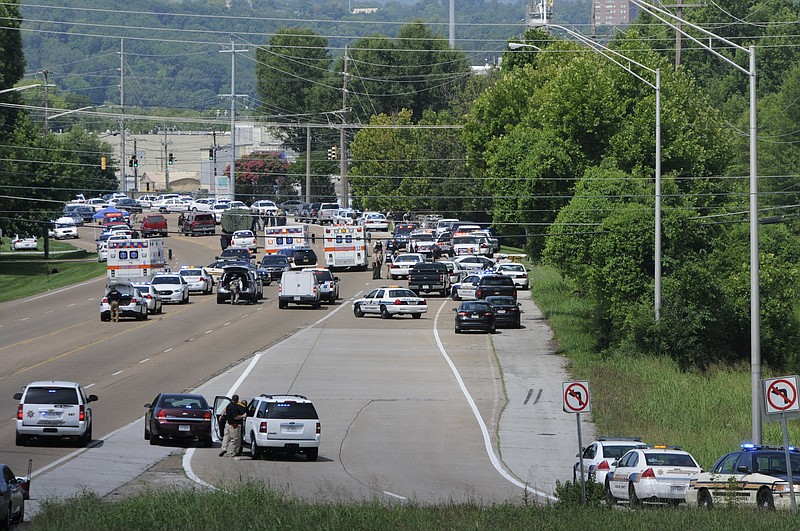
<point x="113" y="298"/>
<point x="234" y="416"/>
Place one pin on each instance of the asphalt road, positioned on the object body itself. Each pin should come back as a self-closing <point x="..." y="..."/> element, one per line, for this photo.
<point x="410" y="410"/>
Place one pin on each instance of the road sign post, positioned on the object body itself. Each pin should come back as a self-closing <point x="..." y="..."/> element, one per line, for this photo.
<point x="780" y="398"/>
<point x="576" y="400"/>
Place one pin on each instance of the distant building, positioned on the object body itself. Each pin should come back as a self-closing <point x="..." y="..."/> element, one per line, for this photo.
<point x="364" y="10"/>
<point x="538" y="13"/>
<point x="613" y="12"/>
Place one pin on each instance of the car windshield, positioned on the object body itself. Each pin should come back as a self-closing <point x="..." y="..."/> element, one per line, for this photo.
<point x="166" y="280"/>
<point x="665" y="459"/>
<point x="51" y="395"/>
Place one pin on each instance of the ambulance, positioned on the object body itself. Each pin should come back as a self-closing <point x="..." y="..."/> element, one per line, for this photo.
<point x="135" y="260"/>
<point x="345" y="246"/>
<point x="285" y="237"/>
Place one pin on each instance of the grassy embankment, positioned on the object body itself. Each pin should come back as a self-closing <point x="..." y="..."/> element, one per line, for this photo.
<point x="23" y="273"/>
<point x="706" y="413"/>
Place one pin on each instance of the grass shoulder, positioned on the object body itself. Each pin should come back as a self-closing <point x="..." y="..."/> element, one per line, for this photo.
<point x="24" y="274"/>
<point x="707" y="413"/>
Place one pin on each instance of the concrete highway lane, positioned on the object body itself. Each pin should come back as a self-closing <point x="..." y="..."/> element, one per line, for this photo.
<point x="409" y="410"/>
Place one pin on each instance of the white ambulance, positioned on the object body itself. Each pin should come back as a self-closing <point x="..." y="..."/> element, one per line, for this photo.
<point x="135" y="260"/>
<point x="285" y="237"/>
<point x="345" y="246"/>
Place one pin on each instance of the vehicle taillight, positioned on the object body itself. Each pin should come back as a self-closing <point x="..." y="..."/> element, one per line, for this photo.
<point x="462" y="314"/>
<point x="105" y="300"/>
<point x="425" y="302"/>
<point x="514" y="291"/>
<point x="279" y="289"/>
<point x="262" y="428"/>
<point x="149" y="297"/>
<point x="649" y="474"/>
<point x="603" y="466"/>
<point x="319" y="428"/>
<point x="487" y="314"/>
<point x="398" y="301"/>
<point x="479" y="293"/>
<point x="207" y="415"/>
<point x="19" y="412"/>
<point x="82" y="413"/>
<point x="161" y="414"/>
<point x="524" y="275"/>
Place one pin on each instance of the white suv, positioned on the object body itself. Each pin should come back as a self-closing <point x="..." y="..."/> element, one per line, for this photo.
<point x="276" y="423"/>
<point x="54" y="409"/>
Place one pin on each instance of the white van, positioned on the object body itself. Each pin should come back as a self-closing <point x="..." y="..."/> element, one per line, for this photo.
<point x="298" y="287"/>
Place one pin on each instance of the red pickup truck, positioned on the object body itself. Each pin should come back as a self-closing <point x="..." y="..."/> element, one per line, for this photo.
<point x="153" y="224"/>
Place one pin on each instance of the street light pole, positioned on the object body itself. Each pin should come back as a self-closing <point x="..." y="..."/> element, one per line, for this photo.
<point x="755" y="303"/>
<point x="612" y="56"/>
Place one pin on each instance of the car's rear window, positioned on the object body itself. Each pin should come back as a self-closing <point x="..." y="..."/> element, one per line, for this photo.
<point x="496" y="281"/>
<point x="291" y="410"/>
<point x="665" y="459"/>
<point x="51" y="395"/>
<point x="272" y="259"/>
<point x="184" y="402"/>
<point x="154" y="219"/>
<point x="165" y="280"/>
<point x="503" y="300"/>
<point x="191" y="272"/>
<point x="475" y="307"/>
<point x="324" y="275"/>
<point x="401" y="293"/>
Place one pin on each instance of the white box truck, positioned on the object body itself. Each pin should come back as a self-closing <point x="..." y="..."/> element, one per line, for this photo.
<point x="298" y="287"/>
<point x="345" y="246"/>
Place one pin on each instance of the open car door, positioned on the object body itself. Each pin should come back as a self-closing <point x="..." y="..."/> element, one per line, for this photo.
<point x="217" y="419"/>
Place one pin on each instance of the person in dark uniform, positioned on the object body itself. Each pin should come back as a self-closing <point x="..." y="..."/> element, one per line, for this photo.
<point x="234" y="417"/>
<point x="113" y="298"/>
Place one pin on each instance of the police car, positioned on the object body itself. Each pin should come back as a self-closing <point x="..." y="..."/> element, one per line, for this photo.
<point x="599" y="456"/>
<point x="755" y="476"/>
<point x="465" y="290"/>
<point x="656" y="473"/>
<point x="388" y="301"/>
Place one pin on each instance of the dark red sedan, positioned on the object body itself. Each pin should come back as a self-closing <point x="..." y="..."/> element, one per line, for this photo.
<point x="178" y="416"/>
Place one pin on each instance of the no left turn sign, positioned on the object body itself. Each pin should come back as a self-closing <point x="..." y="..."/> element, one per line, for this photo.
<point x="780" y="394"/>
<point x="576" y="397"/>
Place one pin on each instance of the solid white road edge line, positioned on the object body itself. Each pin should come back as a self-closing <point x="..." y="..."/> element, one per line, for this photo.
<point x="486" y="439"/>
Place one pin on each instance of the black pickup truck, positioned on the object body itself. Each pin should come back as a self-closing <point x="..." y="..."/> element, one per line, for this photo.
<point x="429" y="276"/>
<point x="490" y="285"/>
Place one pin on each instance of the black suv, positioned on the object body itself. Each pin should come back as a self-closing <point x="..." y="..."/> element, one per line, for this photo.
<point x="300" y="257"/>
<point x="275" y="265"/>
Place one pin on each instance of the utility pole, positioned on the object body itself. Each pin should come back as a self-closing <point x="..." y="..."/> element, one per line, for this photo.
<point x="166" y="144"/>
<point x="122" y="110"/>
<point x="452" y="24"/>
<point x="679" y="5"/>
<point x="343" y="139"/>
<point x="135" y="167"/>
<point x="233" y="95"/>
<point x="46" y="100"/>
<point x="308" y="164"/>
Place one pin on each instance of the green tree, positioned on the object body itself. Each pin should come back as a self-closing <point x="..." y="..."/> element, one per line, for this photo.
<point x="288" y="71"/>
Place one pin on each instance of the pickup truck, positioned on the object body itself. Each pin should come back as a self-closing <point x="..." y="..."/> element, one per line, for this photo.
<point x="429" y="276"/>
<point x="491" y="285"/>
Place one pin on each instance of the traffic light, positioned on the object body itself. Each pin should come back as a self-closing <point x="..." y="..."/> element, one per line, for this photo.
<point x="211" y="154"/>
<point x="333" y="153"/>
<point x="134" y="162"/>
<point x="130" y="163"/>
<point x="171" y="160"/>
<point x="103" y="162"/>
